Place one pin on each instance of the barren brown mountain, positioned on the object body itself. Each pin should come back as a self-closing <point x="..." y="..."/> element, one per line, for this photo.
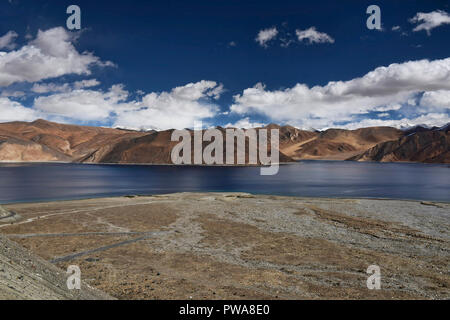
<point x="14" y="147"/>
<point x="340" y="144"/>
<point x="431" y="146"/>
<point x="48" y="141"/>
<point x="43" y="141"/>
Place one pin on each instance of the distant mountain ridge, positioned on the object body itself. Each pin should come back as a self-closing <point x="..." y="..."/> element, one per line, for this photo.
<point x="430" y="145"/>
<point x="44" y="141"/>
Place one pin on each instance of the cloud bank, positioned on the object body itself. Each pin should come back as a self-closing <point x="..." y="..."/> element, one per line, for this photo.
<point x="383" y="89"/>
<point x="177" y="109"/>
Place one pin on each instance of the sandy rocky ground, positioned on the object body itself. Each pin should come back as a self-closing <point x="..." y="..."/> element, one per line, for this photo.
<point x="226" y="246"/>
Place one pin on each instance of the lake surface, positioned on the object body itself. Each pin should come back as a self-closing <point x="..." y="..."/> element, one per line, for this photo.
<point x="43" y="182"/>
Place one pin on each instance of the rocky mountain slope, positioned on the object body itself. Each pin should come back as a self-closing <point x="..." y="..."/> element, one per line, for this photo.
<point x="340" y="144"/>
<point x="48" y="141"/>
<point x="430" y="146"/>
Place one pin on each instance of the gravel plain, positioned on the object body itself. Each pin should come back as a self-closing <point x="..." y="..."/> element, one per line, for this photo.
<point x="239" y="246"/>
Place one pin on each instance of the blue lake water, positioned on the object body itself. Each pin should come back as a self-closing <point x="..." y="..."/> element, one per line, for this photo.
<point x="42" y="182"/>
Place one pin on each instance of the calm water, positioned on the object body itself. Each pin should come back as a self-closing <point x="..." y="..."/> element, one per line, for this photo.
<point x="39" y="182"/>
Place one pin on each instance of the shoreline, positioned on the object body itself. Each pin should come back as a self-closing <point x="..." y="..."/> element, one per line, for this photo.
<point x="152" y="164"/>
<point x="295" y="161"/>
<point x="221" y="192"/>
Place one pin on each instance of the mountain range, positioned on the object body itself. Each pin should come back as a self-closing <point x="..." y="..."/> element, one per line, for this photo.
<point x="44" y="141"/>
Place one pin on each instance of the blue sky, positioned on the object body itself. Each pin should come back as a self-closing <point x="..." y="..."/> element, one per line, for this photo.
<point x="161" y="64"/>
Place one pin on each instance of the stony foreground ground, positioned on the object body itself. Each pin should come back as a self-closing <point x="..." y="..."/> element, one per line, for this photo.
<point x="240" y="246"/>
<point x="23" y="275"/>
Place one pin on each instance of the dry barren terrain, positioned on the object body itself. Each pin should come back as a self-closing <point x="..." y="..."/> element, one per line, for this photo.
<point x="241" y="246"/>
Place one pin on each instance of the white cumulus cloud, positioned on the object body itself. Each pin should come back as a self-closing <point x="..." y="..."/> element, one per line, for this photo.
<point x="431" y="20"/>
<point x="14" y="111"/>
<point x="7" y="41"/>
<point x="437" y="100"/>
<point x="64" y="87"/>
<point x="50" y="87"/>
<point x="245" y="123"/>
<point x="266" y="35"/>
<point x="86" y="83"/>
<point x="177" y="109"/>
<point x="313" y="36"/>
<point x="50" y="55"/>
<point x="82" y="104"/>
<point x="12" y="94"/>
